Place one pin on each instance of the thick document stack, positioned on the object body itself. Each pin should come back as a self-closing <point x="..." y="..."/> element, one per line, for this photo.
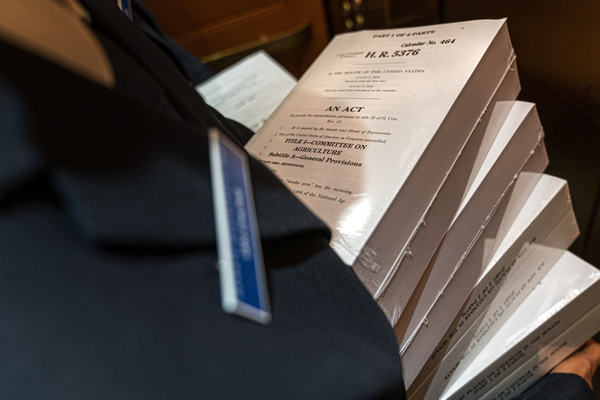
<point x="473" y="214"/>
<point x="460" y="258"/>
<point x="559" y="315"/>
<point x="379" y="140"/>
<point x="543" y="229"/>
<point x="410" y="145"/>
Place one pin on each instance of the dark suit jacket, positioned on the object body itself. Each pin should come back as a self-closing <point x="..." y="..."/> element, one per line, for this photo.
<point x="107" y="249"/>
<point x="108" y="286"/>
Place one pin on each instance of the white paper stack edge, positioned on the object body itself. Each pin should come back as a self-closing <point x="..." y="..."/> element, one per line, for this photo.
<point x="544" y="228"/>
<point x="559" y="315"/>
<point x="461" y="257"/>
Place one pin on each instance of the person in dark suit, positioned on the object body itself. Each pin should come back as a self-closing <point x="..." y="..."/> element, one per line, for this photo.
<point x="108" y="283"/>
<point x="108" y="280"/>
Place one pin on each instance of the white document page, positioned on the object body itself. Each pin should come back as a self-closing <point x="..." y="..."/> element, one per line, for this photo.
<point x="250" y="90"/>
<point x="349" y="134"/>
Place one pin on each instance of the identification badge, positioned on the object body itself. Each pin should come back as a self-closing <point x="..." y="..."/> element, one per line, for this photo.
<point x="241" y="268"/>
<point x="125" y="6"/>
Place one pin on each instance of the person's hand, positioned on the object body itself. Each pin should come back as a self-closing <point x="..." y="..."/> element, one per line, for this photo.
<point x="583" y="362"/>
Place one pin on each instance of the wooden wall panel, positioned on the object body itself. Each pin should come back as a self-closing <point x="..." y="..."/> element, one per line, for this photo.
<point x="293" y="31"/>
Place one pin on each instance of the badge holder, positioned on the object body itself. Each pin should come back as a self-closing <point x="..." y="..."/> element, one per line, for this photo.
<point x="241" y="268"/>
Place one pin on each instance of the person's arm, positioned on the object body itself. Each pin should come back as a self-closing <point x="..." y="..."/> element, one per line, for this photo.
<point x="569" y="380"/>
<point x="584" y="362"/>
